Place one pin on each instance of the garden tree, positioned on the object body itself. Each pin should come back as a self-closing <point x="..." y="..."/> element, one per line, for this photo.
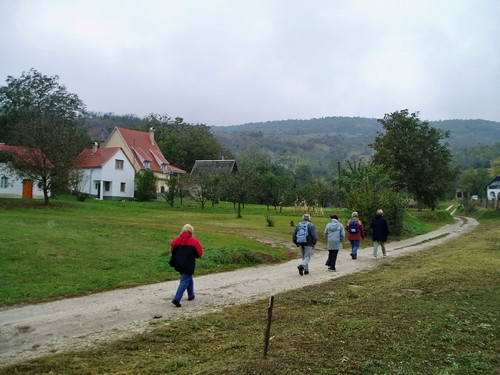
<point x="145" y="185"/>
<point x="38" y="112"/>
<point x="239" y="185"/>
<point x="200" y="188"/>
<point x="495" y="167"/>
<point x="275" y="186"/>
<point x="215" y="187"/>
<point x="182" y="143"/>
<point x="183" y="184"/>
<point x="473" y="181"/>
<point x="415" y="156"/>
<point x="170" y="194"/>
<point x="366" y="188"/>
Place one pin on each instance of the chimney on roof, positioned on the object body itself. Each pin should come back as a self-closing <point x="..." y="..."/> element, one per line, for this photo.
<point x="152" y="135"/>
<point x="95" y="147"/>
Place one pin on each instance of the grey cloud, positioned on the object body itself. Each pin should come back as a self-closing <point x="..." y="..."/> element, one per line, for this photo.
<point x="228" y="62"/>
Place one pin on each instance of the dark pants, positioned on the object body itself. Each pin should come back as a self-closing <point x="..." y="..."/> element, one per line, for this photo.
<point x="332" y="258"/>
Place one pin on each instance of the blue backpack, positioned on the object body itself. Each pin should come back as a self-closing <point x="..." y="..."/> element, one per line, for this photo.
<point x="302" y="233"/>
<point x="354" y="227"/>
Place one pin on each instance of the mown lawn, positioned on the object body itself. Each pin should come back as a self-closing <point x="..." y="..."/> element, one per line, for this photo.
<point x="74" y="248"/>
<point x="435" y="312"/>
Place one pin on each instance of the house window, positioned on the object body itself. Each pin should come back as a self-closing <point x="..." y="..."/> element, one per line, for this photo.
<point x="122" y="187"/>
<point x="107" y="185"/>
<point x="118" y="164"/>
<point x="147" y="164"/>
<point x="4" y="182"/>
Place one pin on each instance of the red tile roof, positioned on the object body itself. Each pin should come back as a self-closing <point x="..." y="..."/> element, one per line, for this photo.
<point x="90" y="158"/>
<point x="27" y="154"/>
<point x="144" y="150"/>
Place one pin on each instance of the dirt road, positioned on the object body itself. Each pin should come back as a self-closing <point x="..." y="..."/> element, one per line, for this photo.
<point x="35" y="330"/>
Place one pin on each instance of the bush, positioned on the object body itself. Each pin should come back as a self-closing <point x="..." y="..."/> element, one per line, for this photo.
<point x="366" y="188"/>
<point x="145" y="185"/>
<point x="81" y="197"/>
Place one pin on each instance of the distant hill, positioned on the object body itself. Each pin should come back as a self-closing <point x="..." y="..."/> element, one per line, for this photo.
<point x="321" y="142"/>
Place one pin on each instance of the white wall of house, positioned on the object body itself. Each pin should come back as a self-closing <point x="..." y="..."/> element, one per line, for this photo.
<point x="11" y="185"/>
<point x="493" y="191"/>
<point x="111" y="177"/>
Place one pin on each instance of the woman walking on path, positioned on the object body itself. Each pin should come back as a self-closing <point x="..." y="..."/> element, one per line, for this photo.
<point x="380" y="232"/>
<point x="185" y="249"/>
<point x="355" y="233"/>
<point x="334" y="235"/>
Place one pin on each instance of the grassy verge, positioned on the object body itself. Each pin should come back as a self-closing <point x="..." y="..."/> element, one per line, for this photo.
<point x="435" y="312"/>
<point x="73" y="248"/>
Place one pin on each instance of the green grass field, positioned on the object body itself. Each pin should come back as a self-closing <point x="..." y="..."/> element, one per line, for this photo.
<point x="73" y="248"/>
<point x="434" y="312"/>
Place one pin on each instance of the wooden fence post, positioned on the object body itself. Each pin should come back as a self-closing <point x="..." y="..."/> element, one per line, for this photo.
<point x="267" y="332"/>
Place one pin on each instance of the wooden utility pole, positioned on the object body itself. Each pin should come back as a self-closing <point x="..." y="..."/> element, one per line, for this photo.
<point x="267" y="332"/>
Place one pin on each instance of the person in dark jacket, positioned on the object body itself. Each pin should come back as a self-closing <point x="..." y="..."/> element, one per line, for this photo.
<point x="305" y="237"/>
<point x="380" y="232"/>
<point x="185" y="249"/>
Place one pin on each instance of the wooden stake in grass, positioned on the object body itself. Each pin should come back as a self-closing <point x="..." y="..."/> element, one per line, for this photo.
<point x="267" y="332"/>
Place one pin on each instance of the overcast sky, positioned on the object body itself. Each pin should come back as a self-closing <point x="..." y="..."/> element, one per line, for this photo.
<point x="230" y="62"/>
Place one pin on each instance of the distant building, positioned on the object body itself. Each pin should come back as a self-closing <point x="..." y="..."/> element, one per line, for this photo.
<point x="493" y="189"/>
<point x="11" y="184"/>
<point x="106" y="173"/>
<point x="213" y="167"/>
<point x="141" y="149"/>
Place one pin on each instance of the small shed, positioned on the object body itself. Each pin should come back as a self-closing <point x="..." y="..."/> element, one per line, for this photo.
<point x="493" y="189"/>
<point x="214" y="167"/>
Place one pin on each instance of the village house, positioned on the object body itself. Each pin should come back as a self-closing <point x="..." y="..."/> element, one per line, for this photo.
<point x="143" y="152"/>
<point x="11" y="184"/>
<point x="493" y="189"/>
<point x="106" y="173"/>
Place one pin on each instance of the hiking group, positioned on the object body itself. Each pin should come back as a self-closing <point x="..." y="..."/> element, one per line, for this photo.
<point x="185" y="248"/>
<point x="305" y="237"/>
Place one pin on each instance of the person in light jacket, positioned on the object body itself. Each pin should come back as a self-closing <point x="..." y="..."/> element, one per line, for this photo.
<point x="305" y="237"/>
<point x="334" y="235"/>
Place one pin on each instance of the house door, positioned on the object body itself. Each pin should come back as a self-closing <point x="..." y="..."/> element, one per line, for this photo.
<point x="27" y="189"/>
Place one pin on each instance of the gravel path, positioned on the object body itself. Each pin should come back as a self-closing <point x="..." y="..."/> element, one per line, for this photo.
<point x="35" y="330"/>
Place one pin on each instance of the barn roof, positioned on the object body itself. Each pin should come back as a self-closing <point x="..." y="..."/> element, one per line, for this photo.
<point x="210" y="167"/>
<point x="495" y="179"/>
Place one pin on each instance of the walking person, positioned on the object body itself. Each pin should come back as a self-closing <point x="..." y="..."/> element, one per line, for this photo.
<point x="355" y="233"/>
<point x="334" y="235"/>
<point x="380" y="232"/>
<point x="305" y="237"/>
<point x="185" y="249"/>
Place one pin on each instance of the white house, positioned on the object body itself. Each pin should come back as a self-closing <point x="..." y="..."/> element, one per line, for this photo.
<point x="13" y="186"/>
<point x="106" y="173"/>
<point x="144" y="153"/>
<point x="493" y="189"/>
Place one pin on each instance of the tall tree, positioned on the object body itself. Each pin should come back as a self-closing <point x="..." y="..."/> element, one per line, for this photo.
<point x="38" y="112"/>
<point x="473" y="181"/>
<point x="415" y="156"/>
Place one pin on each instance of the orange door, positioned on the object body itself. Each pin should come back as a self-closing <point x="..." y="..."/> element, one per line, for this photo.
<point x="27" y="189"/>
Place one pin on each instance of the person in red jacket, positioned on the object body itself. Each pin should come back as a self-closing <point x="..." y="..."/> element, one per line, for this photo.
<point x="185" y="249"/>
<point x="355" y="233"/>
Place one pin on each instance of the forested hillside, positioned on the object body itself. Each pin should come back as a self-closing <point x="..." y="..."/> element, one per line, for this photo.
<point x="323" y="141"/>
